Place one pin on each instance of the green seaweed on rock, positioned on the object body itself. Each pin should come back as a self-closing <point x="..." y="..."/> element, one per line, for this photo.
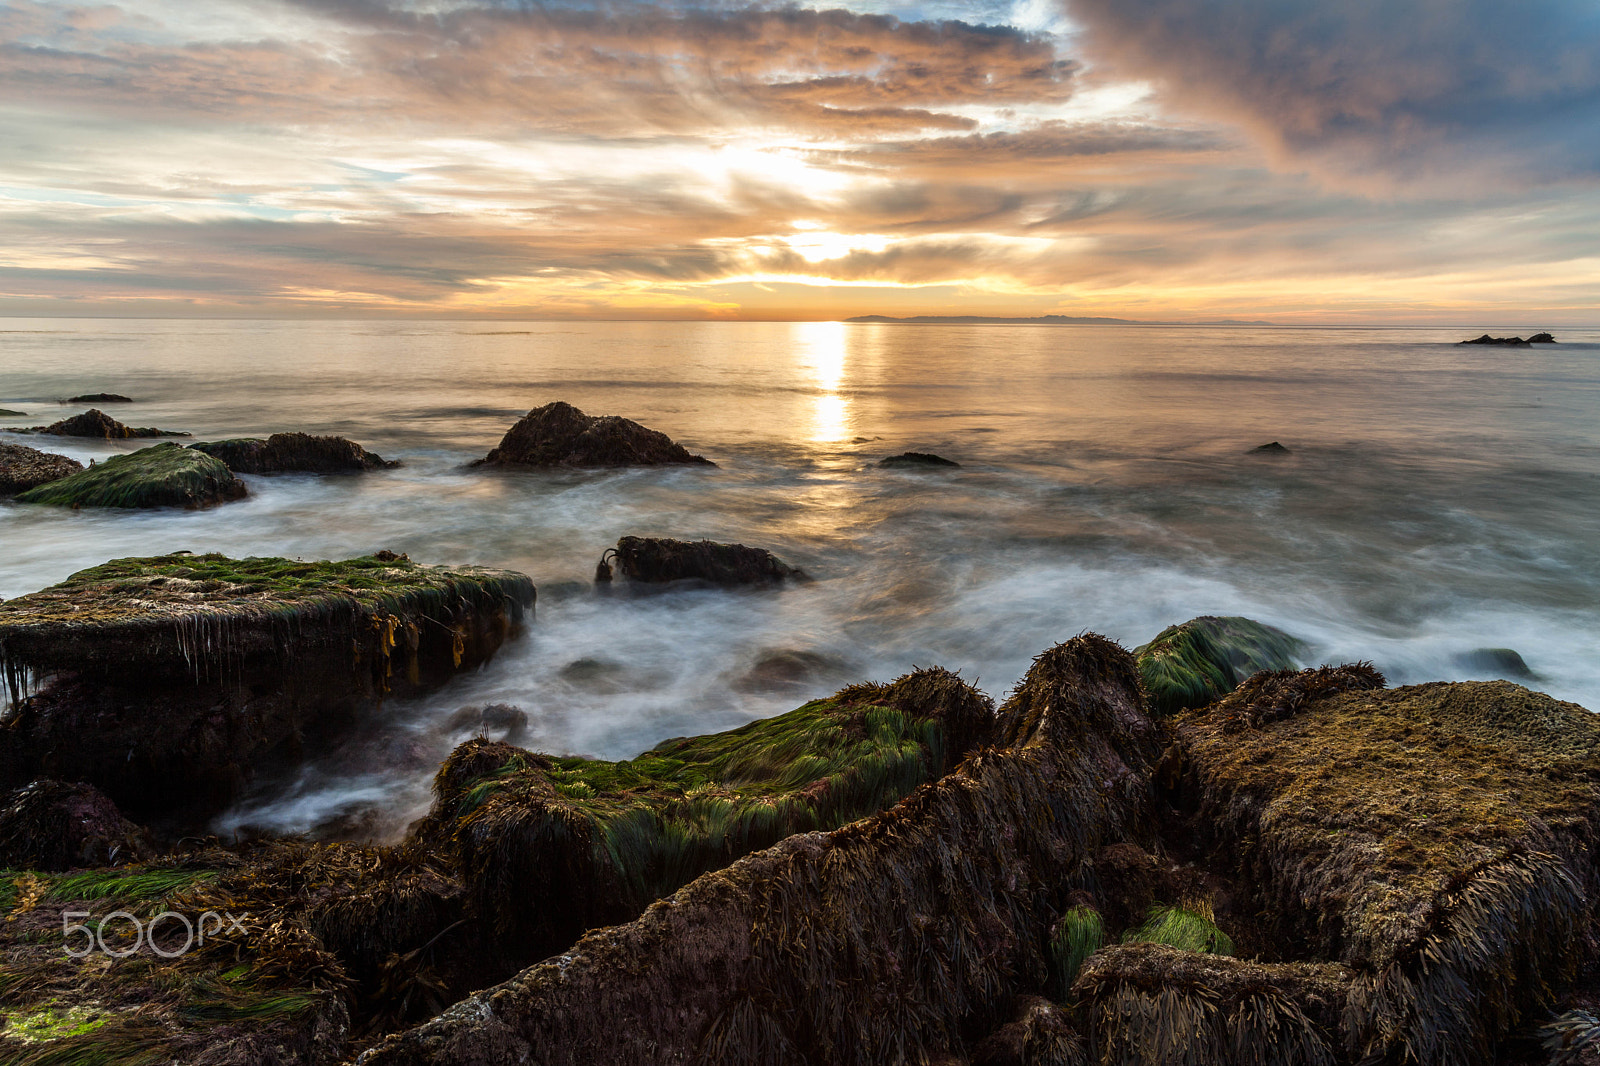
<point x="1080" y="933"/>
<point x="1187" y="928"/>
<point x="1192" y="664"/>
<point x="166" y="475"/>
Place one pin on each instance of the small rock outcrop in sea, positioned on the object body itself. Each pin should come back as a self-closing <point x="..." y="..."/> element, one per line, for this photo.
<point x="881" y="941"/>
<point x="294" y="452"/>
<point x="916" y="461"/>
<point x="166" y="681"/>
<point x="657" y="560"/>
<point x="550" y="847"/>
<point x="5" y="413"/>
<point x="1537" y="338"/>
<point x="558" y="434"/>
<point x="23" y="468"/>
<point x="1504" y="662"/>
<point x="53" y="825"/>
<point x="1192" y="664"/>
<point x="97" y="424"/>
<point x="99" y="397"/>
<point x="166" y="475"/>
<point x="1271" y="448"/>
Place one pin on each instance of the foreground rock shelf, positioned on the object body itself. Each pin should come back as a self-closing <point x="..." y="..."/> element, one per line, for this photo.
<point x="165" y="681"/>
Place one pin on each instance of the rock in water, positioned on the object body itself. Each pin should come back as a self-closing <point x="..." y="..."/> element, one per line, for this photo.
<point x="165" y="681"/>
<point x="98" y="424"/>
<point x="1541" y="338"/>
<point x="166" y="475"/>
<point x="1192" y="664"/>
<point x="23" y="468"/>
<point x="916" y="460"/>
<point x="1513" y="342"/>
<point x="51" y="825"/>
<point x="294" y="452"/>
<point x="99" y="397"/>
<point x="1272" y="448"/>
<point x="558" y="434"/>
<point x="7" y="413"/>
<point x="1435" y="839"/>
<point x="1504" y="662"/>
<point x="882" y="941"/>
<point x="655" y="560"/>
<point x="550" y="847"/>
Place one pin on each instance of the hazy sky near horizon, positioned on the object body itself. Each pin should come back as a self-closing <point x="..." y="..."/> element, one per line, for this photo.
<point x="1292" y="160"/>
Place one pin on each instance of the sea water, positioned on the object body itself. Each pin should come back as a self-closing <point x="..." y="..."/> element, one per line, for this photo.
<point x="1436" y="499"/>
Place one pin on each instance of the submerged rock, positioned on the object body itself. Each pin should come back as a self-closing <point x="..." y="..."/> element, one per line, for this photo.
<point x="294" y="452"/>
<point x="53" y="825"/>
<point x="549" y="847"/>
<point x="656" y="560"/>
<point x="916" y="460"/>
<point x="99" y="425"/>
<point x="1270" y="448"/>
<point x="885" y="940"/>
<point x="558" y="434"/>
<point x="23" y="468"/>
<point x="1433" y="838"/>
<point x="167" y="681"/>
<point x="166" y="475"/>
<point x="99" y="397"/>
<point x="1192" y="664"/>
<point x="1502" y="661"/>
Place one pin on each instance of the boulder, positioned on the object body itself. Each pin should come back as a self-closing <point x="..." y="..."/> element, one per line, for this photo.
<point x="99" y="397"/>
<point x="558" y="434"/>
<point x="23" y="468"/>
<point x="1541" y="338"/>
<point x="168" y="681"/>
<point x="657" y="560"/>
<point x="886" y="940"/>
<point x="1435" y="839"/>
<point x="294" y="452"/>
<point x="1506" y="341"/>
<point x="1190" y="665"/>
<point x="101" y="426"/>
<point x="6" y="413"/>
<point x="166" y="475"/>
<point x="549" y="847"/>
<point x="54" y="825"/>
<point x="916" y="461"/>
<point x="1270" y="448"/>
<point x="1499" y="662"/>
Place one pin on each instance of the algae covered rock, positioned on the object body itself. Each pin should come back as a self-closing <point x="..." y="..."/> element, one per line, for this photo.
<point x="888" y="940"/>
<point x="163" y="476"/>
<point x="558" y="434"/>
<point x="657" y="560"/>
<point x="1436" y="839"/>
<point x="549" y="847"/>
<point x="23" y="468"/>
<point x="97" y="424"/>
<point x="166" y="680"/>
<point x="54" y="825"/>
<point x="294" y="452"/>
<point x="1192" y="664"/>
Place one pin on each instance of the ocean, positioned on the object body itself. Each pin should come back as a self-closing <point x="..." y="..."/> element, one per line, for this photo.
<point x="1435" y="500"/>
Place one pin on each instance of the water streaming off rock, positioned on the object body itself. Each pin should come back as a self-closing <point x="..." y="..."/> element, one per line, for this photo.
<point x="1436" y="500"/>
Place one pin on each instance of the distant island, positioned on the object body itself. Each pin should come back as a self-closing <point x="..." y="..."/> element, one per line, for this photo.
<point x="1045" y="320"/>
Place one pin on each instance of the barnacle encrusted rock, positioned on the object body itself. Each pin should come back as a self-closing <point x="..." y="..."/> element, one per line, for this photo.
<point x="165" y="680"/>
<point x="558" y="434"/>
<point x="23" y="468"/>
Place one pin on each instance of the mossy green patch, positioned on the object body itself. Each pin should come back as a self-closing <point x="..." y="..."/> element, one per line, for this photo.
<point x="1187" y="928"/>
<point x="53" y="1023"/>
<point x="140" y="885"/>
<point x="166" y="475"/>
<point x="7" y="413"/>
<point x="1078" y="934"/>
<point x="1192" y="664"/>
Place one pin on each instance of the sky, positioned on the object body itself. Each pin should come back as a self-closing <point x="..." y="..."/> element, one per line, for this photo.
<point x="1293" y="161"/>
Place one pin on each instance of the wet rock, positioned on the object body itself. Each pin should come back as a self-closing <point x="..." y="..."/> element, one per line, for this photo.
<point x="6" y="413"/>
<point x="53" y="825"/>
<point x="166" y="475"/>
<point x="1039" y="1034"/>
<point x="500" y="720"/>
<point x="99" y="397"/>
<point x="529" y="827"/>
<point x="916" y="461"/>
<point x="1503" y="662"/>
<point x="1270" y="448"/>
<point x="558" y="434"/>
<point x="168" y="681"/>
<point x="785" y="670"/>
<point x="654" y="560"/>
<point x="101" y="426"/>
<point x="1190" y="665"/>
<point x="829" y="927"/>
<point x="1432" y="838"/>
<point x="23" y="468"/>
<point x="294" y="452"/>
<point x="1506" y="341"/>
<point x="1541" y="338"/>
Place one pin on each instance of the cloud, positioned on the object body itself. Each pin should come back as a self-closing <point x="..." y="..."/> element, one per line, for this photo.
<point x="1452" y="94"/>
